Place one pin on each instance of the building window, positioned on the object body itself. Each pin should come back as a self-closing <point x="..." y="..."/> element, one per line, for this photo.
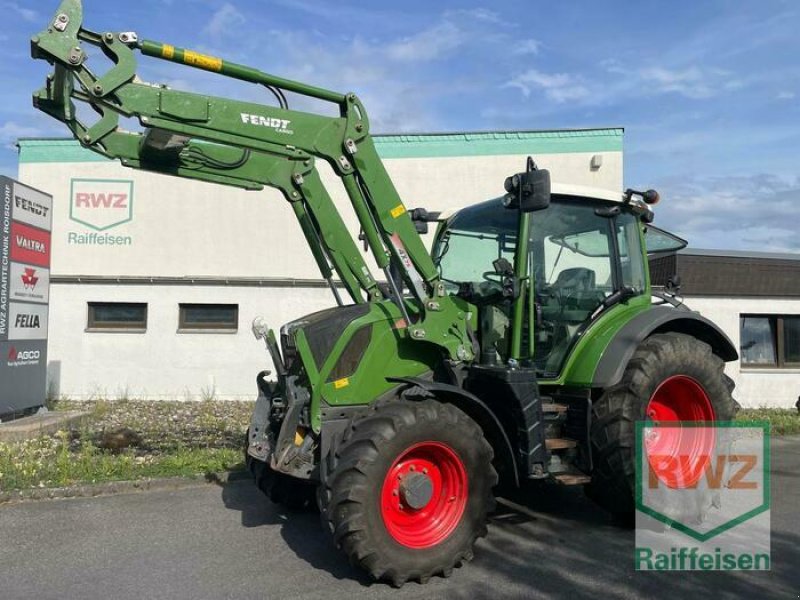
<point x="117" y="316"/>
<point x="217" y="317"/>
<point x="770" y="341"/>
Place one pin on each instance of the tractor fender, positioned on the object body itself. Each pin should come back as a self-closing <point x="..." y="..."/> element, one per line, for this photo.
<point x="659" y="319"/>
<point x="479" y="412"/>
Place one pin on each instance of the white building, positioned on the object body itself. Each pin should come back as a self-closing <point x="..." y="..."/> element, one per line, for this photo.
<point x="138" y="257"/>
<point x="155" y="279"/>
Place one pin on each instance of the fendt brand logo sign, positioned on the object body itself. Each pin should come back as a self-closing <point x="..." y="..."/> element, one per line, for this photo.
<point x="23" y="358"/>
<point x="27" y="321"/>
<point x="29" y="283"/>
<point x="100" y="205"/>
<point x="279" y="125"/>
<point x="32" y="207"/>
<point x="30" y="245"/>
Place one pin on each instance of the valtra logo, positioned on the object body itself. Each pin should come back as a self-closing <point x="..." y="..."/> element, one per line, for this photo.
<point x="101" y="204"/>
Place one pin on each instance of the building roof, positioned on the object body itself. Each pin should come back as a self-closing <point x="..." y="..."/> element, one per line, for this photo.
<point x="741" y="254"/>
<point x="730" y="273"/>
<point x="406" y="145"/>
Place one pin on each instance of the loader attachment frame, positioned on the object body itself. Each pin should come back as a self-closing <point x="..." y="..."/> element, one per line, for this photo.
<point x="251" y="145"/>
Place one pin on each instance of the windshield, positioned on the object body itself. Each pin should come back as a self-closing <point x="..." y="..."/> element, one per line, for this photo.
<point x="474" y="239"/>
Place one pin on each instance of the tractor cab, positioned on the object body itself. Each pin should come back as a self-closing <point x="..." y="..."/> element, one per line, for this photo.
<point x="584" y="254"/>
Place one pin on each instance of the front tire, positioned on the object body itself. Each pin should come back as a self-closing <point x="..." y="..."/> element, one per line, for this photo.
<point x="671" y="377"/>
<point x="286" y="491"/>
<point x="408" y="489"/>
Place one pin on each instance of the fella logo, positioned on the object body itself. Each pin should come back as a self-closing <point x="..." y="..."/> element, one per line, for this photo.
<point x="26" y="321"/>
<point x="101" y="204"/>
<point x="29" y="279"/>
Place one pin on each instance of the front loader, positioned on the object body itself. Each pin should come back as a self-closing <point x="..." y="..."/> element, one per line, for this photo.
<point x="525" y="347"/>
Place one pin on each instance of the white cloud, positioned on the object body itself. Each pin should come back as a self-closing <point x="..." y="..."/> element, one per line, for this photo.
<point x="10" y="132"/>
<point x="691" y="82"/>
<point x="743" y="212"/>
<point x="529" y="46"/>
<point x="26" y="13"/>
<point x="478" y="14"/>
<point x="785" y="95"/>
<point x="225" y="21"/>
<point x="429" y="44"/>
<point x="559" y="87"/>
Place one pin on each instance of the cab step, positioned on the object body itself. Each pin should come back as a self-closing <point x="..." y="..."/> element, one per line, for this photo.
<point x="554" y="407"/>
<point x="571" y="478"/>
<point x="560" y="443"/>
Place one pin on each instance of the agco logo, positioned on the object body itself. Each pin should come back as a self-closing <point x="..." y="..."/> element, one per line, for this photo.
<point x="16" y="356"/>
<point x="29" y="279"/>
<point x="101" y="204"/>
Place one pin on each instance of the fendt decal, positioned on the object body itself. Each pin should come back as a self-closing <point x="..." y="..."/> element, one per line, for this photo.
<point x="279" y="125"/>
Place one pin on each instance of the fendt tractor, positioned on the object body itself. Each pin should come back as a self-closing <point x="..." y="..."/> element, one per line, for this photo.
<point x="525" y="346"/>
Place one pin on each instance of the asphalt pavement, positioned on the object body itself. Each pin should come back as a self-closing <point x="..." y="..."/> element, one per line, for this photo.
<point x="227" y="541"/>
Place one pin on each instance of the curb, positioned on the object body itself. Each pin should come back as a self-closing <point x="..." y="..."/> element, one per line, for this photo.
<point x="111" y="488"/>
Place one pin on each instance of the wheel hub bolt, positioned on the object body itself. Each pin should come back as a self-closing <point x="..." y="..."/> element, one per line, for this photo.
<point x="417" y="490"/>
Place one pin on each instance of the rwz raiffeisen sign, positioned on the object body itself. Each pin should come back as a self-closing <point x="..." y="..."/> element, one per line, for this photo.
<point x="25" y="225"/>
<point x="99" y="207"/>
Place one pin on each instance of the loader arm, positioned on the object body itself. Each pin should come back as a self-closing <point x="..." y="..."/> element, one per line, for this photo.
<point x="250" y="145"/>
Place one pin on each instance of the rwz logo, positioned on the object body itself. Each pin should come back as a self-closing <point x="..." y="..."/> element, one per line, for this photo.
<point x="101" y="200"/>
<point x="29" y="279"/>
<point x="101" y="204"/>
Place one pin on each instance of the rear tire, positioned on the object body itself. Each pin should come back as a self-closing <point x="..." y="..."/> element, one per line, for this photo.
<point x="370" y="499"/>
<point x="659" y="360"/>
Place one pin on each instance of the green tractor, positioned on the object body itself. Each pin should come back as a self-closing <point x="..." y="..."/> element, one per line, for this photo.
<point x="525" y="347"/>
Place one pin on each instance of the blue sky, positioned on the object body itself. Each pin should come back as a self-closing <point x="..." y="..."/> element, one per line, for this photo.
<point x="708" y="92"/>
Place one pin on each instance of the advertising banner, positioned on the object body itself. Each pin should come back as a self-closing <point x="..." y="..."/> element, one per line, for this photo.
<point x="25" y="238"/>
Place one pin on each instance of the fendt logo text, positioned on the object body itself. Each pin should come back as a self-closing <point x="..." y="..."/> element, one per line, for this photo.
<point x="35" y="208"/>
<point x="279" y="125"/>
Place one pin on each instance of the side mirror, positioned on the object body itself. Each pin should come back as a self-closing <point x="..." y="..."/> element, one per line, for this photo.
<point x="529" y="191"/>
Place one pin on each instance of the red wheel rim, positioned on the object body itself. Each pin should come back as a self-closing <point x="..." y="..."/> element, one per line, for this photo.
<point x="679" y="455"/>
<point x="424" y="519"/>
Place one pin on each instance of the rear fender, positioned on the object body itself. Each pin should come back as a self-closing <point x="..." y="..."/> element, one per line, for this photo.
<point x="660" y="319"/>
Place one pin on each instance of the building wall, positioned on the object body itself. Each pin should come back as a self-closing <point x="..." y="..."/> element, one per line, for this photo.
<point x="177" y="228"/>
<point x="755" y="387"/>
<point x="162" y="363"/>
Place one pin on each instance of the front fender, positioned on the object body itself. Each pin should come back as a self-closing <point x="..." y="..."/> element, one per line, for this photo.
<point x="479" y="412"/>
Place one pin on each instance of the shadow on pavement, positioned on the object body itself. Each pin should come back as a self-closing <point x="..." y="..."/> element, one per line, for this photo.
<point x="544" y="541"/>
<point x="301" y="530"/>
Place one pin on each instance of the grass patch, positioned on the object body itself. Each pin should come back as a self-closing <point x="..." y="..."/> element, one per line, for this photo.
<point x="169" y="439"/>
<point x="783" y="421"/>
